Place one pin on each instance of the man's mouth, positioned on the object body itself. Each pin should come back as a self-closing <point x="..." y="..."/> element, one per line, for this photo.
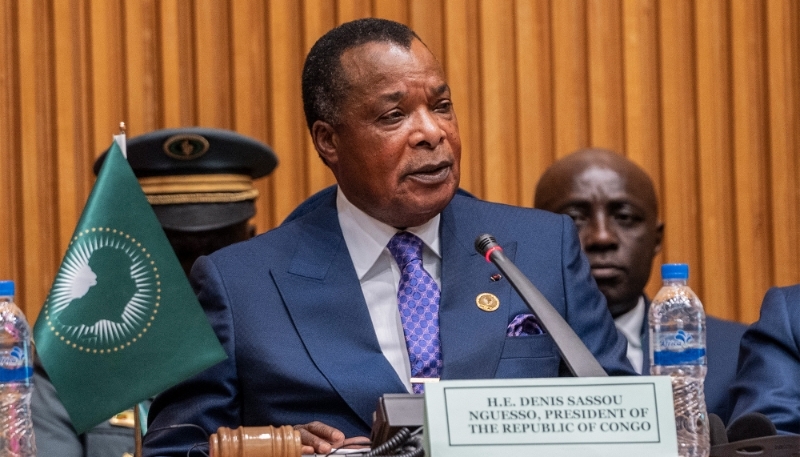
<point x="432" y="174"/>
<point x="606" y="272"/>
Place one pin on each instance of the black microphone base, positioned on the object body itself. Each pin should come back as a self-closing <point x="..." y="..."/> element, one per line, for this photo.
<point x="767" y="446"/>
<point x="396" y="411"/>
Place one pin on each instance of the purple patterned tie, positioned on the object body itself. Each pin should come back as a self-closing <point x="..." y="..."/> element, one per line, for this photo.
<point x="418" y="301"/>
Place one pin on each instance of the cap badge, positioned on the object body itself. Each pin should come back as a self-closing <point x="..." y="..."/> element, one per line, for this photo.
<point x="186" y="146"/>
<point x="487" y="302"/>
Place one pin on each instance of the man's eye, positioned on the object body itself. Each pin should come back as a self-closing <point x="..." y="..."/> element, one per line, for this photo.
<point x="579" y="218"/>
<point x="444" y="106"/>
<point x="626" y="219"/>
<point x="392" y="116"/>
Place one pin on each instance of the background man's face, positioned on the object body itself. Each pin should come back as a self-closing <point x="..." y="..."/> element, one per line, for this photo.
<point x="397" y="148"/>
<point x="188" y="246"/>
<point x="618" y="229"/>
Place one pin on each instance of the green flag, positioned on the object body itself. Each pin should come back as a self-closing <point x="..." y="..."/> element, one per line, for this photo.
<point x="121" y="322"/>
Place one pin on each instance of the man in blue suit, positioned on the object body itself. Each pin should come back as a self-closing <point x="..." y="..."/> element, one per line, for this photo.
<point x="768" y="379"/>
<point x="308" y="312"/>
<point x="613" y="203"/>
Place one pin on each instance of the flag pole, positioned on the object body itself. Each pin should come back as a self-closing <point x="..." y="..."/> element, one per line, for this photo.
<point x="137" y="432"/>
<point x="121" y="140"/>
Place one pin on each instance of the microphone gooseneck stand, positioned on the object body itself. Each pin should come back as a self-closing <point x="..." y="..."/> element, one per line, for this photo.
<point x="575" y="354"/>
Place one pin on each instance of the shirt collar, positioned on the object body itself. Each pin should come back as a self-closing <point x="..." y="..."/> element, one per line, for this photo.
<point x="367" y="237"/>
<point x="630" y="323"/>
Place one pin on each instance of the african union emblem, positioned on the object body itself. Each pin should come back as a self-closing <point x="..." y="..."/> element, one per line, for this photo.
<point x="106" y="293"/>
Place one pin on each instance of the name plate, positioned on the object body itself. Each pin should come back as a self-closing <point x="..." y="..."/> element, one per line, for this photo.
<point x="614" y="416"/>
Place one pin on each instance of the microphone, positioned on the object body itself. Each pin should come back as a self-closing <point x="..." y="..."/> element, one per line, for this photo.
<point x="753" y="434"/>
<point x="575" y="354"/>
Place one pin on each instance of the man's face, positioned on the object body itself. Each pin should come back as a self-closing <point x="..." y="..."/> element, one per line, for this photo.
<point x="188" y="246"/>
<point x="395" y="150"/>
<point x="618" y="228"/>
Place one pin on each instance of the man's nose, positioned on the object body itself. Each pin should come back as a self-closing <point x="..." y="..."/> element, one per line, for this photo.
<point x="427" y="132"/>
<point x="598" y="233"/>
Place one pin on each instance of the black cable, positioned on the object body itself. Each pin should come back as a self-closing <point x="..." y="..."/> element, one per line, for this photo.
<point x="417" y="451"/>
<point x="169" y="427"/>
<point x="392" y="443"/>
<point x="403" y="437"/>
<point x="412" y="448"/>
<point x="194" y="448"/>
<point x="359" y="443"/>
<point x="335" y="451"/>
<point x="194" y="426"/>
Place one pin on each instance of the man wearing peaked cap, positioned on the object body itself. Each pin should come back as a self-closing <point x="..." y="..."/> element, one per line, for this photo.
<point x="199" y="182"/>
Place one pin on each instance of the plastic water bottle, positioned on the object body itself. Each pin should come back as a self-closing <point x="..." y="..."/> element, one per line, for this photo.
<point x="16" y="378"/>
<point x="678" y="349"/>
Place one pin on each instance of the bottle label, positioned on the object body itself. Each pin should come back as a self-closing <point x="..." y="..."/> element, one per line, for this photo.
<point x="678" y="348"/>
<point x="21" y="374"/>
<point x="675" y="341"/>
<point x="691" y="356"/>
<point x="14" y="365"/>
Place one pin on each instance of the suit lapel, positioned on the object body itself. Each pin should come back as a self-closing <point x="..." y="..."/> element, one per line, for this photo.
<point x="322" y="294"/>
<point x="465" y="275"/>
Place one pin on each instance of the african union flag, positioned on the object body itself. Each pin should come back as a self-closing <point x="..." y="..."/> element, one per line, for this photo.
<point x="121" y="322"/>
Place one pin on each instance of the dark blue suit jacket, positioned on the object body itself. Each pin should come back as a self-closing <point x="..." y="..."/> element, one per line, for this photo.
<point x="768" y="377"/>
<point x="287" y="306"/>
<point x="722" y="348"/>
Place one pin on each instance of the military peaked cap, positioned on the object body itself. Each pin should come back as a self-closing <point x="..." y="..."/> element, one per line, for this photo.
<point x="197" y="178"/>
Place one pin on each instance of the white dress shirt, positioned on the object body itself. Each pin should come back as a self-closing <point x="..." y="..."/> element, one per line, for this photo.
<point x="630" y="325"/>
<point x="379" y="274"/>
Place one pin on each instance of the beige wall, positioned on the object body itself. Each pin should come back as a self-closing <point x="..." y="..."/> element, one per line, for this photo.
<point x="704" y="94"/>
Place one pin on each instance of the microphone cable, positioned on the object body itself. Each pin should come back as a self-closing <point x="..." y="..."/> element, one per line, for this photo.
<point x="404" y="443"/>
<point x="196" y="446"/>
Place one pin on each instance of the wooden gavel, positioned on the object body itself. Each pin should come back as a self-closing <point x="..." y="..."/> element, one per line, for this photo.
<point x="265" y="441"/>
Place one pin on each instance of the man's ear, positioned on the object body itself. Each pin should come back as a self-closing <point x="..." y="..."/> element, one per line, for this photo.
<point x="326" y="142"/>
<point x="659" y="237"/>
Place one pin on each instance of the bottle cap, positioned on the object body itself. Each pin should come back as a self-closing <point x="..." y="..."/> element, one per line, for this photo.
<point x="675" y="271"/>
<point x="6" y="288"/>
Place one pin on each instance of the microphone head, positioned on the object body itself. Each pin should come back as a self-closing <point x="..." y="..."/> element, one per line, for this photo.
<point x="750" y="425"/>
<point x="484" y="242"/>
<point x="717" y="430"/>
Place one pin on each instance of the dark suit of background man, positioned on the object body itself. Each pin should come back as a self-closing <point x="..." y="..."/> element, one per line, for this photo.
<point x="613" y="203"/>
<point x="199" y="183"/>
<point x="308" y="312"/>
<point x="768" y="378"/>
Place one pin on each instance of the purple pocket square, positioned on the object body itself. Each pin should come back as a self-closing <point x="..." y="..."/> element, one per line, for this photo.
<point x="524" y="325"/>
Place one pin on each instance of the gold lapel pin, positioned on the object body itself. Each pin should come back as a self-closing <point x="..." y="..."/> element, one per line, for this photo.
<point x="487" y="302"/>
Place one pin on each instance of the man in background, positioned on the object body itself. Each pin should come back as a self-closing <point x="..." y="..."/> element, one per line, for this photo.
<point x="199" y="182"/>
<point x="614" y="206"/>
